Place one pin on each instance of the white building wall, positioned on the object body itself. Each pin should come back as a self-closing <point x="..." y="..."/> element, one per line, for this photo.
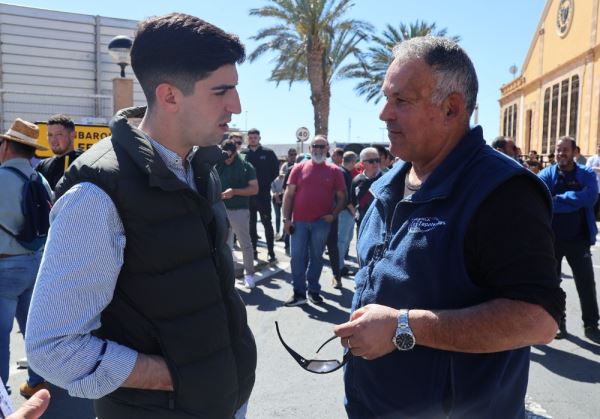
<point x="57" y="62"/>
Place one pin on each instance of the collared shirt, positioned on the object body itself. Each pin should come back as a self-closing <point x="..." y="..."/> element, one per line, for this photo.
<point x="78" y="274"/>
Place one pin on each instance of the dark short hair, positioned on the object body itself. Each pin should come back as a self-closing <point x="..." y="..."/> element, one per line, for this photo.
<point x="180" y="49"/>
<point x="21" y="149"/>
<point x="229" y="145"/>
<point x="570" y="139"/>
<point x="551" y="155"/>
<point x="499" y="143"/>
<point x="338" y="152"/>
<point x="254" y="131"/>
<point x="64" y="120"/>
<point x="381" y="149"/>
<point x="292" y="150"/>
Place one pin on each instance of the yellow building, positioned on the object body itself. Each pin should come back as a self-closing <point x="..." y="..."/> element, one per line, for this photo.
<point x="558" y="90"/>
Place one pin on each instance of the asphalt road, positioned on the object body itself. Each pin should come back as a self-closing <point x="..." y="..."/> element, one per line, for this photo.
<point x="564" y="375"/>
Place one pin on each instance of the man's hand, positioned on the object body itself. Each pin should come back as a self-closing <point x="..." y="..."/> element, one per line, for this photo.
<point x="32" y="408"/>
<point x="288" y="227"/>
<point x="227" y="194"/>
<point x="150" y="373"/>
<point x="328" y="218"/>
<point x="370" y="331"/>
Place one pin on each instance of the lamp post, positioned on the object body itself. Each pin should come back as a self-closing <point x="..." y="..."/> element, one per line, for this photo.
<point x="118" y="49"/>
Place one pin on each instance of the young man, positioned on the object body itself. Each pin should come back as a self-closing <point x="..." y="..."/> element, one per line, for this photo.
<point x="266" y="165"/>
<point x="308" y="210"/>
<point x="238" y="183"/>
<point x="450" y="293"/>
<point x="150" y="324"/>
<point x="61" y="134"/>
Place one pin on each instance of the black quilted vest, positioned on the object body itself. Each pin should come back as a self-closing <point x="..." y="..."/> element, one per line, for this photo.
<point x="175" y="293"/>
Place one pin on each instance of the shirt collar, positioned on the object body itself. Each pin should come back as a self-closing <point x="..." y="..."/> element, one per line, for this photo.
<point x="171" y="159"/>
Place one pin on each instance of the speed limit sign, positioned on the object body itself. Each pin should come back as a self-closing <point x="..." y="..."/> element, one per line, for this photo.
<point x="302" y="134"/>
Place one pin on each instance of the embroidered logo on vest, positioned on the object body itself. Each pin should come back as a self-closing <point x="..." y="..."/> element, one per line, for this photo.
<point x="425" y="224"/>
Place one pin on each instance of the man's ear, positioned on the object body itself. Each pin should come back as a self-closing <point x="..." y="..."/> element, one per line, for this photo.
<point x="167" y="97"/>
<point x="454" y="107"/>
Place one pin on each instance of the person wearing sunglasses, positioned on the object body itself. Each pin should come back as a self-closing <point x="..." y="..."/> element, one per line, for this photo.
<point x="450" y="293"/>
<point x="238" y="139"/>
<point x="238" y="183"/>
<point x="360" y="197"/>
<point x="308" y="211"/>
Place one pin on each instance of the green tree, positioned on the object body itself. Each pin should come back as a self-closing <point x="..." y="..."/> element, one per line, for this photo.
<point x="310" y="43"/>
<point x="373" y="64"/>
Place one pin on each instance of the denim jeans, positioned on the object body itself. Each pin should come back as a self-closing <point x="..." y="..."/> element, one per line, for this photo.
<point x="345" y="232"/>
<point x="579" y="258"/>
<point x="309" y="239"/>
<point x="17" y="278"/>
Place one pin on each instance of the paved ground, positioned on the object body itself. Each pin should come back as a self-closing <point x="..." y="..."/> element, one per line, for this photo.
<point x="563" y="380"/>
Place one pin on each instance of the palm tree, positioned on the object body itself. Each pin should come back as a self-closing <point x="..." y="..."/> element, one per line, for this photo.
<point x="373" y="64"/>
<point x="312" y="41"/>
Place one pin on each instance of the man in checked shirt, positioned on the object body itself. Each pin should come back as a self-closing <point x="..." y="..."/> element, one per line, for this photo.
<point x="135" y="304"/>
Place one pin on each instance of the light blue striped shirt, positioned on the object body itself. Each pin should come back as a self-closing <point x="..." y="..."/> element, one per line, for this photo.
<point x="76" y="281"/>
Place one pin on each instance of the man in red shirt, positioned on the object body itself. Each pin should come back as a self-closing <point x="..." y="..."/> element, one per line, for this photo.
<point x="308" y="210"/>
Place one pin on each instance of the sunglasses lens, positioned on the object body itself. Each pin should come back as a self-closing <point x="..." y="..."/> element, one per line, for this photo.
<point x="321" y="367"/>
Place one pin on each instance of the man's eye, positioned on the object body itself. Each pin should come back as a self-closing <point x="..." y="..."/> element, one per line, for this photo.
<point x="221" y="93"/>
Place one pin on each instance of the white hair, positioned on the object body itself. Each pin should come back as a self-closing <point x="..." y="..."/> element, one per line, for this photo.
<point x="450" y="63"/>
<point x="368" y="150"/>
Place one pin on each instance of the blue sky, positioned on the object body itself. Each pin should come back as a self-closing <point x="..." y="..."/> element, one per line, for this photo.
<point x="496" y="34"/>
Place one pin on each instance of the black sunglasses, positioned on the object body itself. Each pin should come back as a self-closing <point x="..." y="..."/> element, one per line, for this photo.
<point x="317" y="366"/>
<point x="372" y="161"/>
<point x="320" y="146"/>
<point x="239" y="142"/>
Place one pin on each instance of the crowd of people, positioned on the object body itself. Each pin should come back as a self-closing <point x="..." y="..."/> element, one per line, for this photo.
<point x="449" y="295"/>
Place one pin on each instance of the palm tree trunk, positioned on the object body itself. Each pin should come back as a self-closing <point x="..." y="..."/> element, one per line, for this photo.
<point x="319" y="90"/>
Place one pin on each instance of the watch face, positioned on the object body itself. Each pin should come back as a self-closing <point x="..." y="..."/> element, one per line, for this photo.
<point x="405" y="341"/>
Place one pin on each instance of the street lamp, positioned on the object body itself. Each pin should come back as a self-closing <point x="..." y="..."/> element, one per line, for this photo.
<point x="119" y="48"/>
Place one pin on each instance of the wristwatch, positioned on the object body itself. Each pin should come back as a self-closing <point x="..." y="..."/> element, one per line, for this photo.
<point x="404" y="340"/>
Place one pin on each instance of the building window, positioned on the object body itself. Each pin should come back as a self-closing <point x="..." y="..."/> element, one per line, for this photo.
<point x="509" y="123"/>
<point x="561" y="109"/>
<point x="545" y="120"/>
<point x="574" y="106"/>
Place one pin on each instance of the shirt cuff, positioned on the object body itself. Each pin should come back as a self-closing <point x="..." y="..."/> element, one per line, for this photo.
<point x="112" y="371"/>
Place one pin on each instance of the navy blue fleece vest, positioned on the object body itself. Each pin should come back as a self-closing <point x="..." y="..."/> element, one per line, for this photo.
<point x="411" y="256"/>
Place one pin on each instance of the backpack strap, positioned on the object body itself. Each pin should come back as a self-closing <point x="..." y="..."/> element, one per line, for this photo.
<point x="17" y="172"/>
<point x="22" y="176"/>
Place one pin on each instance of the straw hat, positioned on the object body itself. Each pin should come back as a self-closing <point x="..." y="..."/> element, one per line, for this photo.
<point x="25" y="133"/>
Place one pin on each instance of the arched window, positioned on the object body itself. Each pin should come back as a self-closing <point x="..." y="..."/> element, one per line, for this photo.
<point x="561" y="109"/>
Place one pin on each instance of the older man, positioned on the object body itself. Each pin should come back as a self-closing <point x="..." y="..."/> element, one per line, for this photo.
<point x="360" y="196"/>
<point x="308" y="210"/>
<point x="574" y="191"/>
<point x="450" y="293"/>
